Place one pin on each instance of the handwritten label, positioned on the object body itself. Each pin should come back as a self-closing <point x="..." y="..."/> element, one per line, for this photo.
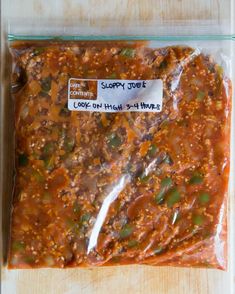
<point x="115" y="95"/>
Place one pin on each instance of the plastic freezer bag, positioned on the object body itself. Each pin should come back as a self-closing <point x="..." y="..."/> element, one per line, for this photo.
<point x="122" y="153"/>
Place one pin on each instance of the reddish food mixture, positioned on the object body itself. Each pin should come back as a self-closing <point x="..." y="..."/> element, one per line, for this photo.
<point x="119" y="188"/>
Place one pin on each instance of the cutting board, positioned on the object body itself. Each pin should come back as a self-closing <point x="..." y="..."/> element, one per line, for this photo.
<point x="121" y="17"/>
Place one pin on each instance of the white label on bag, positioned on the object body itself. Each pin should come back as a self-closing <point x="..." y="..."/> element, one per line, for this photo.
<point x="115" y="95"/>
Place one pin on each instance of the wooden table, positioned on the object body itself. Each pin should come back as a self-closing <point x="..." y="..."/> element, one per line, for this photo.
<point x="120" y="17"/>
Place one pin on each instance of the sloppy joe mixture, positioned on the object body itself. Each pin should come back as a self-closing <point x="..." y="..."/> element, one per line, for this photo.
<point x="95" y="188"/>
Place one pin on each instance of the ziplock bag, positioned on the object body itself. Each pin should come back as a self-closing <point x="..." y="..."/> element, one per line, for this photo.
<point x="122" y="151"/>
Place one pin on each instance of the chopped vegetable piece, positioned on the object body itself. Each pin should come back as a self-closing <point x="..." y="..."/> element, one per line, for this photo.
<point x="219" y="105"/>
<point x="164" y="124"/>
<point x="69" y="144"/>
<point x="65" y="111"/>
<point x="144" y="178"/>
<point x="126" y="231"/>
<point x="112" y="76"/>
<point x="48" y="148"/>
<point x="38" y="51"/>
<point x="128" y="52"/>
<point x="49" y="260"/>
<point x="208" y="234"/>
<point x="38" y="176"/>
<point x="114" y="141"/>
<point x="159" y="198"/>
<point x="46" y="198"/>
<point x="163" y="64"/>
<point x="23" y="160"/>
<point x="43" y="94"/>
<point x="220" y="70"/>
<point x="46" y="84"/>
<point x="204" y="198"/>
<point x="132" y="243"/>
<point x="196" y="179"/>
<point x="198" y="219"/>
<point x="70" y="223"/>
<point x="49" y="163"/>
<point x="200" y="95"/>
<point x="76" y="208"/>
<point x="29" y="259"/>
<point x="166" y="183"/>
<point x="85" y="217"/>
<point x="152" y="150"/>
<point x="173" y="197"/>
<point x="18" y="246"/>
<point x="36" y="155"/>
<point x="116" y="259"/>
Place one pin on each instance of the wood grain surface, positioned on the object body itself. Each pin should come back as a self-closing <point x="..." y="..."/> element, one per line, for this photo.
<point x="116" y="17"/>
